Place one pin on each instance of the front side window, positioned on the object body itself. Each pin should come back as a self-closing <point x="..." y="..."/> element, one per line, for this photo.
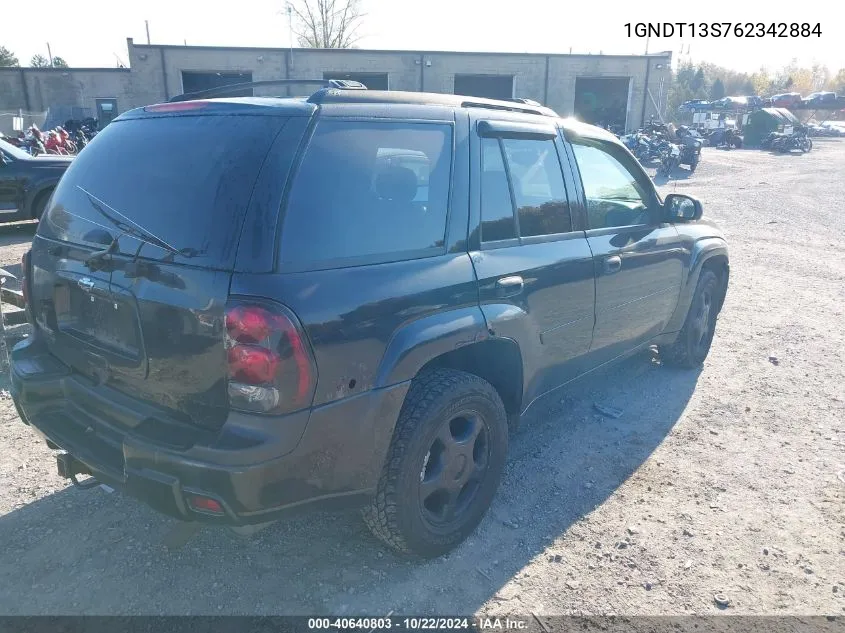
<point x="369" y="189"/>
<point x="615" y="195"/>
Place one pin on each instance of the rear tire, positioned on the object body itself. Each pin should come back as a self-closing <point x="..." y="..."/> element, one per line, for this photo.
<point x="443" y="466"/>
<point x="693" y="343"/>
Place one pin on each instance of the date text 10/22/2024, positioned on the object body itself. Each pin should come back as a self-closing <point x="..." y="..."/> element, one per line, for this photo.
<point x="461" y="623"/>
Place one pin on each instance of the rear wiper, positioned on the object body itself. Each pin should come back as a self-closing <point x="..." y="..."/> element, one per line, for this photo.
<point x="129" y="228"/>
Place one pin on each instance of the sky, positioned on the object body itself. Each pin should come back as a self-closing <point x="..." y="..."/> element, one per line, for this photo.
<point x="94" y="33"/>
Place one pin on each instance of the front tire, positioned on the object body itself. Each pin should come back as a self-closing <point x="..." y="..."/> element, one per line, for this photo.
<point x="693" y="343"/>
<point x="693" y="164"/>
<point x="443" y="466"/>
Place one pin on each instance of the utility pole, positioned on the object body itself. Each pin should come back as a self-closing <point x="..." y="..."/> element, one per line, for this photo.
<point x="290" y="30"/>
<point x="147" y="27"/>
<point x="646" y="43"/>
<point x="49" y="54"/>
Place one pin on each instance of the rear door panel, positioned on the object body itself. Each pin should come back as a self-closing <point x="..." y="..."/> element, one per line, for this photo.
<point x="551" y="316"/>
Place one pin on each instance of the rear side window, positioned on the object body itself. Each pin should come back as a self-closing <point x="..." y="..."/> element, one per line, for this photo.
<point x="537" y="187"/>
<point x="497" y="221"/>
<point x="187" y="180"/>
<point x="364" y="189"/>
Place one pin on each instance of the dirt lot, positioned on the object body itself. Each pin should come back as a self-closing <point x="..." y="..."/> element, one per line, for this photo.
<point x="726" y="481"/>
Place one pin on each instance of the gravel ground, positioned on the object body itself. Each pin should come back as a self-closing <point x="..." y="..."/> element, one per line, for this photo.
<point x="726" y="481"/>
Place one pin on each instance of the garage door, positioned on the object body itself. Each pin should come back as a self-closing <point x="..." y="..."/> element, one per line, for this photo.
<point x="602" y="101"/>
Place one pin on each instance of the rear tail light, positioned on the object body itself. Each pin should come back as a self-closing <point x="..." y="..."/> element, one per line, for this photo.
<point x="206" y="505"/>
<point x="271" y="369"/>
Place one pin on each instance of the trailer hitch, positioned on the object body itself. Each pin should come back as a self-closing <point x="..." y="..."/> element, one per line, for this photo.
<point x="69" y="467"/>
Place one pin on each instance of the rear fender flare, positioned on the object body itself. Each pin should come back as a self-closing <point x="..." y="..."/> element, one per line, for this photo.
<point x="416" y="343"/>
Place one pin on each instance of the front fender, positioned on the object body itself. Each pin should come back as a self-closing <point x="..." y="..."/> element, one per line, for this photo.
<point x="413" y="345"/>
<point x="704" y="250"/>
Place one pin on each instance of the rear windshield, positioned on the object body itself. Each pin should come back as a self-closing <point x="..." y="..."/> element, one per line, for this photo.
<point x="186" y="180"/>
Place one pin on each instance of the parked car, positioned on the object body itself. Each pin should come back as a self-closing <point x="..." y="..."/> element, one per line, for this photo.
<point x="818" y="99"/>
<point x="753" y="101"/>
<point x="271" y="318"/>
<point x="729" y="103"/>
<point x="786" y="100"/>
<point x="26" y="182"/>
<point x="695" y="104"/>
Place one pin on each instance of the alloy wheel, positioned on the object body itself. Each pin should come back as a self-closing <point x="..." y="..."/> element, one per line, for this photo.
<point x="454" y="469"/>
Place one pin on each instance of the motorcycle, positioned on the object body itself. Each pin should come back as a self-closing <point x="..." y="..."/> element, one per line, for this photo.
<point x="724" y="137"/>
<point x="646" y="149"/>
<point x="691" y="145"/>
<point x="32" y="141"/>
<point x="786" y="143"/>
<point x="81" y="132"/>
<point x="670" y="158"/>
<point x="58" y="142"/>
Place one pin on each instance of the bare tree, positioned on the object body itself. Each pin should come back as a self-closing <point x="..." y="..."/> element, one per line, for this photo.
<point x="326" y="23"/>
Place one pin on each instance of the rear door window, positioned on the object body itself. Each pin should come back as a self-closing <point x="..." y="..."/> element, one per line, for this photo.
<point x="538" y="187"/>
<point x="369" y="191"/>
<point x="187" y="180"/>
<point x="527" y="174"/>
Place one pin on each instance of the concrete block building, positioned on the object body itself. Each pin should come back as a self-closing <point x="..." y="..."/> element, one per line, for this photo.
<point x="604" y="89"/>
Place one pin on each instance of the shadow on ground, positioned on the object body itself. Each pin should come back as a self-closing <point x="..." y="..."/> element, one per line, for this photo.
<point x="679" y="173"/>
<point x="96" y="552"/>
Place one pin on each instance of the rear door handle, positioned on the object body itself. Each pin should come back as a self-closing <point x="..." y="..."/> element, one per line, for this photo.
<point x="509" y="286"/>
<point x="612" y="264"/>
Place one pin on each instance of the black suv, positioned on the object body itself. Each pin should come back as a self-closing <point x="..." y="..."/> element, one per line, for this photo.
<point x="246" y="307"/>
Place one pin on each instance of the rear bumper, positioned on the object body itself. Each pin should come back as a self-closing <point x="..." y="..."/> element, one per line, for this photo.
<point x="258" y="469"/>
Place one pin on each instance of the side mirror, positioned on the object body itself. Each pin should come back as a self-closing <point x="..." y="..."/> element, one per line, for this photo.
<point x="681" y="208"/>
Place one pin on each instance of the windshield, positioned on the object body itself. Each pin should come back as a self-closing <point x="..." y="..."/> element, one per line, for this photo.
<point x="11" y="150"/>
<point x="171" y="186"/>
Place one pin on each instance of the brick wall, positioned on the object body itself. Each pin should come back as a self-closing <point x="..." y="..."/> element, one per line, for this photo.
<point x="36" y="89"/>
<point x="156" y="74"/>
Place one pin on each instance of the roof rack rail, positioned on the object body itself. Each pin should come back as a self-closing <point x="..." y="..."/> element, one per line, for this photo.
<point x="530" y="102"/>
<point x="529" y="107"/>
<point x="222" y="91"/>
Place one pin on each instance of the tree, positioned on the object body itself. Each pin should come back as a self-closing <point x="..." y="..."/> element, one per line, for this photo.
<point x="326" y="23"/>
<point x="697" y="84"/>
<point x="761" y="82"/>
<point x="837" y="84"/>
<point x="39" y="61"/>
<point x="8" y="58"/>
<point x="717" y="90"/>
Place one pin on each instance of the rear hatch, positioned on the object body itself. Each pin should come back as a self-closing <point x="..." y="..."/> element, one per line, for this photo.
<point x="131" y="263"/>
